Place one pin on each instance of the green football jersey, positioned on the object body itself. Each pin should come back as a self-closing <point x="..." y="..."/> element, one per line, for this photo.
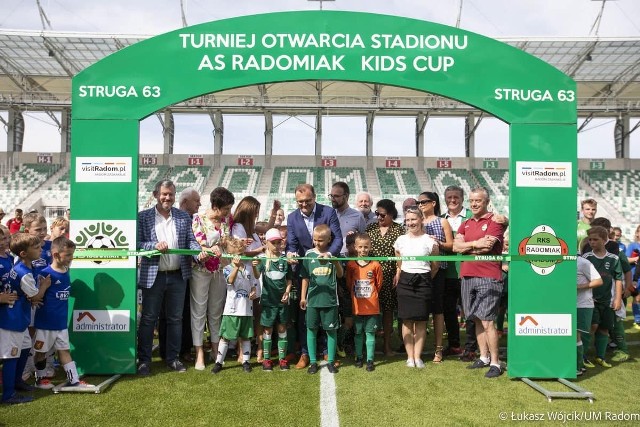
<point x="274" y="280"/>
<point x="323" y="288"/>
<point x="610" y="271"/>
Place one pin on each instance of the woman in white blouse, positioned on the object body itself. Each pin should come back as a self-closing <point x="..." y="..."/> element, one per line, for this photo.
<point x="413" y="281"/>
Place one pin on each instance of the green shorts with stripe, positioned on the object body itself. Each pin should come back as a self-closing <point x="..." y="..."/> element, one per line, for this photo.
<point x="325" y="317"/>
<point x="368" y="324"/>
<point x="603" y="316"/>
<point x="583" y="320"/>
<point x="272" y="316"/>
<point x="234" y="327"/>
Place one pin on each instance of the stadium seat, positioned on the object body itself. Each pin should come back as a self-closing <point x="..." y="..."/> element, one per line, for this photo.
<point x="241" y="180"/>
<point x="398" y="182"/>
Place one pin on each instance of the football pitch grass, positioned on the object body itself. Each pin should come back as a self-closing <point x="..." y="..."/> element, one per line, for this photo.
<point x="392" y="395"/>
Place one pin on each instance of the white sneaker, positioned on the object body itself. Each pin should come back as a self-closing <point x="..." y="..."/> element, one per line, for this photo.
<point x="44" y="383"/>
<point x="419" y="364"/>
<point x="411" y="363"/>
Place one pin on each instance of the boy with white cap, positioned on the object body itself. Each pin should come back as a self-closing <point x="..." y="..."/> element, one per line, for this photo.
<point x="276" y="285"/>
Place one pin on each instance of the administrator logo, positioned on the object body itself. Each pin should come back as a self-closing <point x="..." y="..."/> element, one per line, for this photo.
<point x="101" y="320"/>
<point x="543" y="241"/>
<point x="105" y="236"/>
<point x="543" y="325"/>
<point x="86" y="314"/>
<point x="526" y="319"/>
<point x="103" y="169"/>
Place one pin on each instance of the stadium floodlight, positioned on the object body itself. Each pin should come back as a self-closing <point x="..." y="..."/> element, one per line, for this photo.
<point x="321" y="2"/>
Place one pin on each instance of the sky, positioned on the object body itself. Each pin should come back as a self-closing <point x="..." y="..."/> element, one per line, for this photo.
<point x="341" y="135"/>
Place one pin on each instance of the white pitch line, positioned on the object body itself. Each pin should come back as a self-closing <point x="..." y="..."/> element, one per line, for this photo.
<point x="328" y="402"/>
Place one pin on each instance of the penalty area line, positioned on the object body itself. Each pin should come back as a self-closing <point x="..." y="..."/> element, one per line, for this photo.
<point x="328" y="401"/>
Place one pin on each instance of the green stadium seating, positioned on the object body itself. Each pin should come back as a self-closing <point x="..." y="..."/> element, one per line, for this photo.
<point x="189" y="176"/>
<point x="286" y="179"/>
<point x="147" y="178"/>
<point x="22" y="181"/>
<point x="621" y="189"/>
<point x="396" y="182"/>
<point x="241" y="180"/>
<point x="442" y="178"/>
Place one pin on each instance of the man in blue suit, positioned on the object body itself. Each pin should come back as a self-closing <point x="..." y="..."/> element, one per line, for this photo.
<point x="164" y="277"/>
<point x="300" y="224"/>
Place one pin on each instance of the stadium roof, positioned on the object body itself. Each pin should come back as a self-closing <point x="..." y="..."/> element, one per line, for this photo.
<point x="36" y="70"/>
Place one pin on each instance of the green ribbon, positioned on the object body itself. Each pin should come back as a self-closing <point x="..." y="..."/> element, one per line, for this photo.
<point x="100" y="254"/>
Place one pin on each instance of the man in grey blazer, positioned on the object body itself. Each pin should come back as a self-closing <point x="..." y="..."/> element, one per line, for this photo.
<point x="164" y="277"/>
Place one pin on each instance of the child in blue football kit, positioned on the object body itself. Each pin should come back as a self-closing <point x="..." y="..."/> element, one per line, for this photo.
<point x="51" y="317"/>
<point x="21" y="289"/>
<point x="35" y="224"/>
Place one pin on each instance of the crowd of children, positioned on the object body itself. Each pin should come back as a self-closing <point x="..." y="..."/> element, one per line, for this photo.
<point x="34" y="304"/>
<point x="319" y="294"/>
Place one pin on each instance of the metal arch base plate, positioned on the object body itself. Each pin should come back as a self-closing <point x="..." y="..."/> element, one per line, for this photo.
<point x="578" y="393"/>
<point x="96" y="389"/>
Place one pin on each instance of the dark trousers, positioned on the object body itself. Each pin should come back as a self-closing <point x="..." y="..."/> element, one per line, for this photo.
<point x="168" y="290"/>
<point x="187" y="339"/>
<point x="450" y="300"/>
<point x="472" y="341"/>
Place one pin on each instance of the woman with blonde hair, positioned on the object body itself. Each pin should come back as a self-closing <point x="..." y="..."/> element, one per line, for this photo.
<point x="414" y="284"/>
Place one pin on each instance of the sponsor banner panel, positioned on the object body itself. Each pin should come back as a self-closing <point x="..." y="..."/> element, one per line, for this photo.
<point x="107" y="235"/>
<point x="103" y="169"/>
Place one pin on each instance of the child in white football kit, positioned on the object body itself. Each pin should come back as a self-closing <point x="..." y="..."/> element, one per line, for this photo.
<point x="51" y="318"/>
<point x="237" y="318"/>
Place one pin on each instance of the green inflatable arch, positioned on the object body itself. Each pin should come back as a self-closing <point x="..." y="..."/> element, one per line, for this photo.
<point x="535" y="99"/>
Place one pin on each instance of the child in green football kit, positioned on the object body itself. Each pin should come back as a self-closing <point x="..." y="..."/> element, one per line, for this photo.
<point x="319" y="296"/>
<point x="276" y="285"/>
<point x="608" y="266"/>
